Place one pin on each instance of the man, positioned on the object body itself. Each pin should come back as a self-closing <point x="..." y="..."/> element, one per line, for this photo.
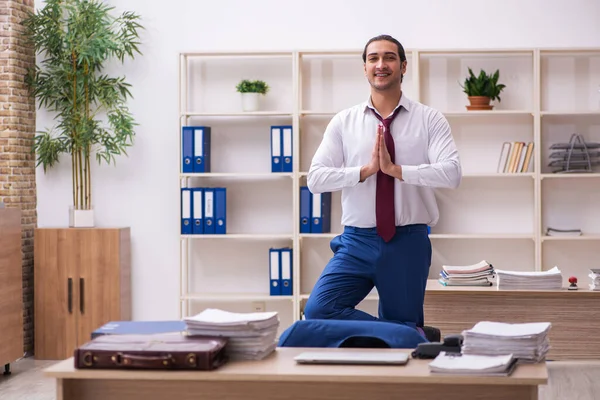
<point x="386" y="155"/>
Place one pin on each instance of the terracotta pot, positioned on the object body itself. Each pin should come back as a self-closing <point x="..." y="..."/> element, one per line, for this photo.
<point x="479" y="103"/>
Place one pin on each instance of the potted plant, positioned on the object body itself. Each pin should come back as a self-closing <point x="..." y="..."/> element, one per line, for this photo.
<point x="76" y="39"/>
<point x="482" y="89"/>
<point x="251" y="92"/>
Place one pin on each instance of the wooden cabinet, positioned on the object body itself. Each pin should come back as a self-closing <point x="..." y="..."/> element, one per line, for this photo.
<point x="82" y="281"/>
<point x="11" y="286"/>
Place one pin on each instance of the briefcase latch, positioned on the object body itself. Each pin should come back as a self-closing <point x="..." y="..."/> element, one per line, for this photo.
<point x="191" y="359"/>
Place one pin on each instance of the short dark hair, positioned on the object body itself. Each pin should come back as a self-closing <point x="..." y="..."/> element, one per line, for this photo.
<point x="389" y="38"/>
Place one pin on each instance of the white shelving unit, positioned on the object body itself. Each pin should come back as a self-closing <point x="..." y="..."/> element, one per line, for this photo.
<point x="500" y="217"/>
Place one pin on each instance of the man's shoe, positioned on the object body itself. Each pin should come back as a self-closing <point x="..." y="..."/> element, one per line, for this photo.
<point x="432" y="334"/>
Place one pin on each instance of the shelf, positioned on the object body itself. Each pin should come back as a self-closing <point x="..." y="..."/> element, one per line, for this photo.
<point x="236" y="175"/>
<point x="318" y="235"/>
<point x="480" y="236"/>
<point x="571" y="176"/>
<point x="487" y="113"/>
<point x="240" y="236"/>
<point x="225" y="297"/>
<point x="238" y="114"/>
<point x="239" y="55"/>
<point x="570" y="113"/>
<point x="500" y="175"/>
<point x="545" y="238"/>
<point x="319" y="113"/>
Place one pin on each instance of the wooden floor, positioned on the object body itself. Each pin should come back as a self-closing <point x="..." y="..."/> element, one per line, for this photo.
<point x="567" y="380"/>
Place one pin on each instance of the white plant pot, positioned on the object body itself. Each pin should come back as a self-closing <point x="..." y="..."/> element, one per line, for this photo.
<point x="81" y="218"/>
<point x="250" y="101"/>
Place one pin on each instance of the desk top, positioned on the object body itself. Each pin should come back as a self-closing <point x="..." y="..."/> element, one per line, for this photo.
<point x="435" y="288"/>
<point x="281" y="367"/>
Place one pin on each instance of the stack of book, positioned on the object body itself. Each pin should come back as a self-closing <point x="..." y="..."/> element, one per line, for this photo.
<point x="250" y="336"/>
<point x="527" y="342"/>
<point x="471" y="364"/>
<point x="467" y="275"/>
<point x="529" y="280"/>
<point x="595" y="277"/>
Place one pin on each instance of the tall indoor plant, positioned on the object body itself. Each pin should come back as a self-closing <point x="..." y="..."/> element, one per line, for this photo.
<point x="76" y="38"/>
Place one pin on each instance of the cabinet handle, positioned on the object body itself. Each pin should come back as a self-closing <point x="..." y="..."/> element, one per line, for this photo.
<point x="81" y="295"/>
<point x="70" y="295"/>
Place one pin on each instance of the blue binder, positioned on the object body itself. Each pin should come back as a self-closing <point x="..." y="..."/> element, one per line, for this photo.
<point x="197" y="211"/>
<point x="201" y="148"/>
<point x="220" y="210"/>
<point x="276" y="149"/>
<point x="209" y="211"/>
<point x="286" y="263"/>
<point x="187" y="150"/>
<point x="140" y="328"/>
<point x="186" y="211"/>
<point x="305" y="209"/>
<point x="275" y="272"/>
<point x="287" y="148"/>
<point x="321" y="213"/>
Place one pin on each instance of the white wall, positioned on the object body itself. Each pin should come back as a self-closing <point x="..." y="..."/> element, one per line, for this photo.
<point x="142" y="191"/>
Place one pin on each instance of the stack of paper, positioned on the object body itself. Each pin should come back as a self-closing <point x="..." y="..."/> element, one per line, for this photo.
<point x="527" y="342"/>
<point x="530" y="280"/>
<point x="467" y="275"/>
<point x="251" y="336"/>
<point x="470" y="364"/>
<point x="595" y="277"/>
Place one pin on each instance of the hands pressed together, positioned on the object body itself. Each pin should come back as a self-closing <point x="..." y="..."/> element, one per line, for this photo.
<point x="380" y="159"/>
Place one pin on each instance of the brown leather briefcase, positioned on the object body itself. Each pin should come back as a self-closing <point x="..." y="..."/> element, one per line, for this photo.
<point x="155" y="351"/>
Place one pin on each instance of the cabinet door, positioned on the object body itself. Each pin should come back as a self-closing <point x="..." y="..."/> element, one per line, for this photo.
<point x="54" y="294"/>
<point x="11" y="286"/>
<point x="98" y="280"/>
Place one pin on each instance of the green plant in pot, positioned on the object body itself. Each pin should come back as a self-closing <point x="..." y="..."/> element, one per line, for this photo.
<point x="76" y="39"/>
<point x="251" y="92"/>
<point x="482" y="89"/>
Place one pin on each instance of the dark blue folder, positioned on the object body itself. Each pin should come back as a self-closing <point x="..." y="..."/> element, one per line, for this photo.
<point x="139" y="328"/>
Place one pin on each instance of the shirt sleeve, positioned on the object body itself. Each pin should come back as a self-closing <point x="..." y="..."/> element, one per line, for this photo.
<point x="444" y="170"/>
<point x="327" y="172"/>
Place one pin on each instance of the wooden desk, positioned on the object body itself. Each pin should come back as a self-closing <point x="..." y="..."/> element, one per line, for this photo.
<point x="575" y="315"/>
<point x="278" y="377"/>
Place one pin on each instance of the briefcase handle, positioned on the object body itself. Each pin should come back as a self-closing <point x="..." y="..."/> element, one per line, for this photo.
<point x="130" y="360"/>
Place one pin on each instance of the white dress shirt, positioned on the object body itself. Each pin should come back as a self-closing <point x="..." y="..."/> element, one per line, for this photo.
<point x="425" y="150"/>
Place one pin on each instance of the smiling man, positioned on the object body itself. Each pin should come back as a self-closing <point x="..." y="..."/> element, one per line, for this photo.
<point x="386" y="155"/>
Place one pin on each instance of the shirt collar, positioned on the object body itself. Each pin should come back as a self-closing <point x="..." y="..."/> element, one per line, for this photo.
<point x="405" y="102"/>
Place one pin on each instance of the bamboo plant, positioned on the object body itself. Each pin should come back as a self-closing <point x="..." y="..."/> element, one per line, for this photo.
<point x="77" y="38"/>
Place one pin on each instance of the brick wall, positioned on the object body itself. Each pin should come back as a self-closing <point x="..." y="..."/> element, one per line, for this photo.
<point x="17" y="128"/>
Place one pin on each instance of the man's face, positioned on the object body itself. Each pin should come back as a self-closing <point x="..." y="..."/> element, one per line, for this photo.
<point x="383" y="68"/>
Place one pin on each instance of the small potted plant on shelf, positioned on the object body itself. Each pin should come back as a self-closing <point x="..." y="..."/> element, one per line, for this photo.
<point x="251" y="92"/>
<point x="482" y="89"/>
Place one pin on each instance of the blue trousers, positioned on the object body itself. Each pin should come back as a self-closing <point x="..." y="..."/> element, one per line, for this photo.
<point x="361" y="260"/>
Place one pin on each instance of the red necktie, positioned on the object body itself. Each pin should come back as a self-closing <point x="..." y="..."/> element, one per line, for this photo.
<point x="384" y="203"/>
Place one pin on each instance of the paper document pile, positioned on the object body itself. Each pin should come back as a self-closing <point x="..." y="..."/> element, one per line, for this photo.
<point x="595" y="277"/>
<point x="527" y="342"/>
<point x="471" y="364"/>
<point x="467" y="275"/>
<point x="530" y="280"/>
<point x="251" y="336"/>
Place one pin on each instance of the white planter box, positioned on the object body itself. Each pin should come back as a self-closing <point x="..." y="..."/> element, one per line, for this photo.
<point x="81" y="218"/>
<point x="251" y="101"/>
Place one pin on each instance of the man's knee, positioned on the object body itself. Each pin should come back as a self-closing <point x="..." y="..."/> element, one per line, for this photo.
<point x="315" y="309"/>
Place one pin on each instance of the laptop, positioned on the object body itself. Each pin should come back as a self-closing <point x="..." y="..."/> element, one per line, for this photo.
<point x="352" y="357"/>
